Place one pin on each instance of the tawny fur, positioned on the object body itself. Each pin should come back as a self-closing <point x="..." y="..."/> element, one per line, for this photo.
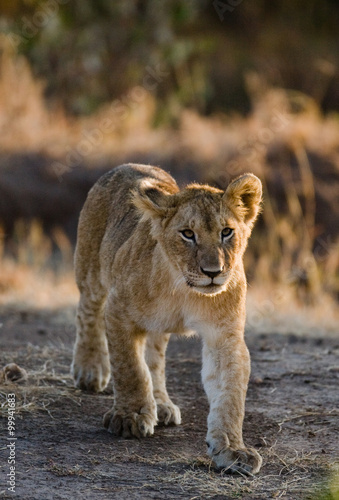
<point x="152" y="260"/>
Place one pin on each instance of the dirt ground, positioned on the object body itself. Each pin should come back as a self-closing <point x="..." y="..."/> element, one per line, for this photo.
<point x="63" y="452"/>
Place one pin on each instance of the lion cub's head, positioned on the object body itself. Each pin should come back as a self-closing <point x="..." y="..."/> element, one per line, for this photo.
<point x="202" y="230"/>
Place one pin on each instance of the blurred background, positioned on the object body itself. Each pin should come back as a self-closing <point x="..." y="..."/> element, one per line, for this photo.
<point x="206" y="89"/>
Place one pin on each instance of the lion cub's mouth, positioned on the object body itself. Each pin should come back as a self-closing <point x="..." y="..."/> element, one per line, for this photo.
<point x="210" y="288"/>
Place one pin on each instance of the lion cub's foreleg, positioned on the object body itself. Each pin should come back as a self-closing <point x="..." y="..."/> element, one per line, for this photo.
<point x="134" y="412"/>
<point x="225" y="374"/>
<point x="168" y="412"/>
<point x="90" y="366"/>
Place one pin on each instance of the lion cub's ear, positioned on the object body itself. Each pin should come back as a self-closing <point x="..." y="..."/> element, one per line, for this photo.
<point x="243" y="196"/>
<point x="151" y="199"/>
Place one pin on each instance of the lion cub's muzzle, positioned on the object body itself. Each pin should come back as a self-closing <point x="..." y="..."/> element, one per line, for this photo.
<point x="208" y="281"/>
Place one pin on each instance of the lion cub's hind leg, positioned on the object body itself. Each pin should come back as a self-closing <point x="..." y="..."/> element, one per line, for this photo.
<point x="91" y="366"/>
<point x="168" y="412"/>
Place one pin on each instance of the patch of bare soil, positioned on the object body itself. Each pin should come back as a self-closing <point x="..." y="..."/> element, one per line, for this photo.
<point x="63" y="452"/>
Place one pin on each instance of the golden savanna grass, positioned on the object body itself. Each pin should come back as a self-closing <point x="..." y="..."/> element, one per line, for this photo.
<point x="29" y="276"/>
<point x="281" y="254"/>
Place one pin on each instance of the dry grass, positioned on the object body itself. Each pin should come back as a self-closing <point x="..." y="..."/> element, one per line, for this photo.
<point x="293" y="472"/>
<point x="48" y="396"/>
<point x="285" y="250"/>
<point x="23" y="112"/>
<point x="274" y="308"/>
<point x="22" y="286"/>
<point x="47" y="382"/>
<point x="31" y="279"/>
<point x="30" y="275"/>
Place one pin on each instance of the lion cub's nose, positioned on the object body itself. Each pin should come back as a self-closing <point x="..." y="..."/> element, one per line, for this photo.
<point x="211" y="273"/>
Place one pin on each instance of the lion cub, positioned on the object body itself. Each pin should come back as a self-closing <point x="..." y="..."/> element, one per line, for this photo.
<point x="152" y="260"/>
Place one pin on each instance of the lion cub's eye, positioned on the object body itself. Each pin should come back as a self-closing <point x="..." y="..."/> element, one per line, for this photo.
<point x="188" y="234"/>
<point x="227" y="233"/>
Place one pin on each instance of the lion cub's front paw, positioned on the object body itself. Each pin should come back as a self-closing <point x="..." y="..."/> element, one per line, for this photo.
<point x="245" y="461"/>
<point x="130" y="424"/>
<point x="91" y="370"/>
<point x="168" y="413"/>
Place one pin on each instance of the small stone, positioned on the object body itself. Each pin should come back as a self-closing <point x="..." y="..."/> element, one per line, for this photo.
<point x="333" y="369"/>
<point x="13" y="373"/>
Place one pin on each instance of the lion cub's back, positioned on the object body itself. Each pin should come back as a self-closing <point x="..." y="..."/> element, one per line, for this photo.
<point x="109" y="215"/>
